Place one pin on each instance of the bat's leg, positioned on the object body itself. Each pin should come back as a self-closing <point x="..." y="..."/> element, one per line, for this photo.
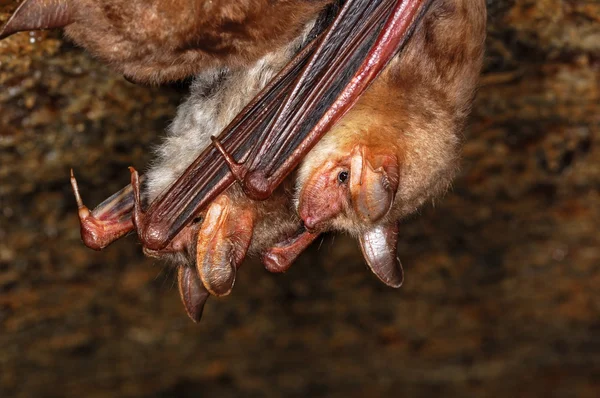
<point x="192" y="292"/>
<point x="223" y="241"/>
<point x="106" y="223"/>
<point x="280" y="257"/>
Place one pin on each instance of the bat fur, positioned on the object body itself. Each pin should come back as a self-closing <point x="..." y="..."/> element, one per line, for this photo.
<point x="216" y="97"/>
<point x="417" y="108"/>
<point x="157" y="40"/>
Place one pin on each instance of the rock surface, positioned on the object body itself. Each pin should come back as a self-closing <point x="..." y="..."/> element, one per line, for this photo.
<point x="502" y="286"/>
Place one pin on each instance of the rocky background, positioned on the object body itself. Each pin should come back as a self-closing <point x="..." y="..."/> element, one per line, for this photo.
<point x="502" y="291"/>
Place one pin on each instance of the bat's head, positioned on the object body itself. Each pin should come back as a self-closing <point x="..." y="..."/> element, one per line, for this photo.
<point x="351" y="184"/>
<point x="349" y="190"/>
<point x="395" y="150"/>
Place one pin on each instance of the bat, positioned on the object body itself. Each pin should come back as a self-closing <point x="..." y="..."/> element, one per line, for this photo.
<point x="399" y="145"/>
<point x="259" y="173"/>
<point x="156" y="41"/>
<point x="209" y="250"/>
<point x="268" y="138"/>
<point x="193" y="183"/>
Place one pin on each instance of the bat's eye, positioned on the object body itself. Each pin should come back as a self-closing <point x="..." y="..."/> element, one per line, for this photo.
<point x="343" y="177"/>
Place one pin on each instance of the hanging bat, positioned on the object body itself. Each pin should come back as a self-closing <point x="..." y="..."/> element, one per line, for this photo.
<point x="270" y="155"/>
<point x="156" y="41"/>
<point x="223" y="271"/>
<point x="398" y="147"/>
<point x="210" y="249"/>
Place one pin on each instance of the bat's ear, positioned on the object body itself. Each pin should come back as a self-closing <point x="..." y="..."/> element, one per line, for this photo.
<point x="222" y="243"/>
<point x="373" y="182"/>
<point x="39" y="14"/>
<point x="379" y="245"/>
<point x="193" y="293"/>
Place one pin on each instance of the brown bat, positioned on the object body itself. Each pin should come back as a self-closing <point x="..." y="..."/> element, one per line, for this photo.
<point x="268" y="138"/>
<point x="169" y="206"/>
<point x="398" y="147"/>
<point x="158" y="40"/>
<point x="209" y="250"/>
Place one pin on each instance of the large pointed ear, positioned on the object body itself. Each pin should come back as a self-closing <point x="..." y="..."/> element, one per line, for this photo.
<point x="379" y="246"/>
<point x="373" y="183"/>
<point x="38" y="14"/>
<point x="193" y="293"/>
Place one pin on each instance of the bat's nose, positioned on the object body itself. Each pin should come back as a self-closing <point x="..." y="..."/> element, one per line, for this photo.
<point x="317" y="212"/>
<point x="310" y="222"/>
<point x="321" y="200"/>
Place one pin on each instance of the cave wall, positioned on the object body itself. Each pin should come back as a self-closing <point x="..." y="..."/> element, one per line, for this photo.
<point x="502" y="275"/>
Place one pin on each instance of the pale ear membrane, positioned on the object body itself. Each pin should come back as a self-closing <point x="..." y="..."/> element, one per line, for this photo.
<point x="193" y="293"/>
<point x="373" y="183"/>
<point x="379" y="245"/>
<point x="38" y="14"/>
<point x="222" y="243"/>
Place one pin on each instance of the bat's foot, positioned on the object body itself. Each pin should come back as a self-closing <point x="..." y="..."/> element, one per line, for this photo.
<point x="100" y="230"/>
<point x="223" y="241"/>
<point x="280" y="257"/>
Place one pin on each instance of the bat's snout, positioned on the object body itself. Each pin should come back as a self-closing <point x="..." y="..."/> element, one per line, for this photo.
<point x="323" y="197"/>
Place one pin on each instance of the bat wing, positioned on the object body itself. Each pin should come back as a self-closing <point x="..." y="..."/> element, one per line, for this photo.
<point x="272" y="134"/>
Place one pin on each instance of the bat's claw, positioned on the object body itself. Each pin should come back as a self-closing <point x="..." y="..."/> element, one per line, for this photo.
<point x="222" y="243"/>
<point x="98" y="231"/>
<point x="238" y="170"/>
<point x="254" y="183"/>
<point x="138" y="214"/>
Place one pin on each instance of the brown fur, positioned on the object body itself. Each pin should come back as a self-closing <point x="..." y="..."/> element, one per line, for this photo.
<point x="416" y="109"/>
<point x="157" y="40"/>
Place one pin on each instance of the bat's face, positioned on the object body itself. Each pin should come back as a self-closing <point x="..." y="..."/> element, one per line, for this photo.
<point x="357" y="188"/>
